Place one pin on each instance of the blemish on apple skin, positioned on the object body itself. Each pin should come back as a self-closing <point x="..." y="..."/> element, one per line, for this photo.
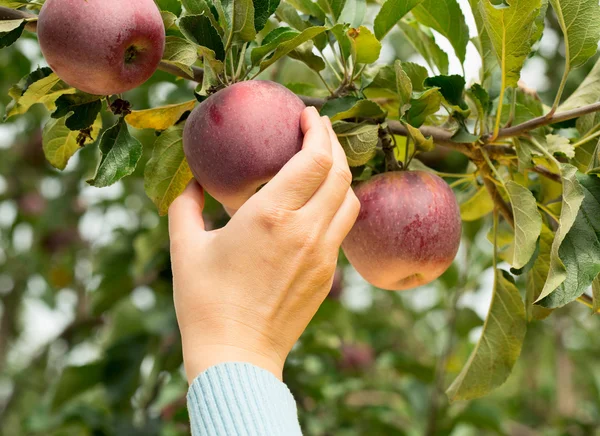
<point x="215" y="115"/>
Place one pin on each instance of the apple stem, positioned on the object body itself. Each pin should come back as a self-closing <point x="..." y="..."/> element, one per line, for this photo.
<point x="387" y="144"/>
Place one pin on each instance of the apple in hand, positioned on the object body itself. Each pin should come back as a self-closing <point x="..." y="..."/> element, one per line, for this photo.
<point x="102" y="47"/>
<point x="408" y="230"/>
<point x="240" y="137"/>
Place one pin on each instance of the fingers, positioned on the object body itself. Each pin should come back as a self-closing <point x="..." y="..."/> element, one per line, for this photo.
<point x="185" y="213"/>
<point x="300" y="178"/>
<point x="331" y="194"/>
<point x="344" y="219"/>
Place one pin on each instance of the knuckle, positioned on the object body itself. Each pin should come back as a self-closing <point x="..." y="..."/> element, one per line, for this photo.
<point x="344" y="174"/>
<point x="270" y="218"/>
<point x="322" y="161"/>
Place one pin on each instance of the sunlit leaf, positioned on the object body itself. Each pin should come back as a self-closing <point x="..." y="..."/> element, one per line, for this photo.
<point x="390" y="13"/>
<point x="167" y="172"/>
<point x="423" y="41"/>
<point x="477" y="206"/>
<point x="528" y="223"/>
<point x="445" y="17"/>
<point x="160" y="118"/>
<point x="575" y="260"/>
<point x="60" y="143"/>
<point x="578" y="19"/>
<point x="499" y="347"/>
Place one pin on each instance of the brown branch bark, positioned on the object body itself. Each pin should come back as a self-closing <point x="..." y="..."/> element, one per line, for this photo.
<point x="546" y="173"/>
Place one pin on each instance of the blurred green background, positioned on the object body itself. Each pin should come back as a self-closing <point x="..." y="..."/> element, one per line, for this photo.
<point x="89" y="342"/>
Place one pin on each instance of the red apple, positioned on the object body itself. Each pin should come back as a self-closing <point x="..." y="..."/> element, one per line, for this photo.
<point x="240" y="137"/>
<point x="102" y="47"/>
<point x="408" y="230"/>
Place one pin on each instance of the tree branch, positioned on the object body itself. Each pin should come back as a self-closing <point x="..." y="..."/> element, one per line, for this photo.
<point x="546" y="120"/>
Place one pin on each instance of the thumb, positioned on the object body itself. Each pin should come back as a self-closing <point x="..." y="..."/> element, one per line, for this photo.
<point x="185" y="213"/>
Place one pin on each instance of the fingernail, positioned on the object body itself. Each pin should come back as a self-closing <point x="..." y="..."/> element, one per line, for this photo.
<point x="314" y="109"/>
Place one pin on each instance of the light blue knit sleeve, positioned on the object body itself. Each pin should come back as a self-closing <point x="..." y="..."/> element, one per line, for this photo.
<point x="235" y="398"/>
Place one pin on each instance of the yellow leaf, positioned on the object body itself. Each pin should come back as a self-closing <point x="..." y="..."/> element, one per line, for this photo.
<point x="160" y="118"/>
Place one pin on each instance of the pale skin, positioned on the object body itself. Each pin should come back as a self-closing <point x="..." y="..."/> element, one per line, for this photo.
<point x="247" y="291"/>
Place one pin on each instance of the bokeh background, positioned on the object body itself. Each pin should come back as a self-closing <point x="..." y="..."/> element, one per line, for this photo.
<point x="88" y="337"/>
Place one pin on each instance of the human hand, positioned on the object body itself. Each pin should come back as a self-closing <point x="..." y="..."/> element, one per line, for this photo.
<point x="247" y="291"/>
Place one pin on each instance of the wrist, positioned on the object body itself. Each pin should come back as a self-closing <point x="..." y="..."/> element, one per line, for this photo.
<point x="197" y="359"/>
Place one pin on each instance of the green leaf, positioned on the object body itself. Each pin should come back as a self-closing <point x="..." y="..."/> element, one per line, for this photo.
<point x="167" y="172"/>
<point x="423" y="105"/>
<point x="483" y="44"/>
<point x="305" y="54"/>
<point x="594" y="165"/>
<point x="308" y="7"/>
<point x="180" y="53"/>
<point x="81" y="109"/>
<point x="560" y="145"/>
<point x="77" y="379"/>
<point x="423" y="41"/>
<point x="169" y="19"/>
<point x="271" y="42"/>
<point x="359" y="141"/>
<point x="524" y="153"/>
<point x="445" y="17"/>
<point x="419" y="140"/>
<point x="159" y="118"/>
<point x="173" y="6"/>
<point x="332" y="7"/>
<point x="340" y="31"/>
<point x="60" y="143"/>
<point x="575" y="260"/>
<point x="365" y="47"/>
<point x="417" y="75"/>
<point x="477" y="206"/>
<point x="10" y="25"/>
<point x="308" y="89"/>
<point x="288" y="14"/>
<point x="499" y="347"/>
<point x="452" y="88"/>
<point x="481" y="98"/>
<point x="404" y="86"/>
<point x="511" y="30"/>
<point x="14" y="4"/>
<point x="579" y="22"/>
<point x="10" y="31"/>
<point x="353" y="13"/>
<point x="536" y="276"/>
<point x="287" y="46"/>
<point x="41" y="86"/>
<point x="540" y="22"/>
<point x="263" y="9"/>
<point x="199" y="30"/>
<point x="596" y="294"/>
<point x="120" y="155"/>
<point x="587" y="92"/>
<point x="528" y="223"/>
<point x="463" y="136"/>
<point x="240" y="17"/>
<point x="390" y="13"/>
<point x="351" y="107"/>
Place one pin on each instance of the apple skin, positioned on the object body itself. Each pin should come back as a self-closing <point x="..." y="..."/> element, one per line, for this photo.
<point x="407" y="232"/>
<point x="240" y="137"/>
<point x="87" y="42"/>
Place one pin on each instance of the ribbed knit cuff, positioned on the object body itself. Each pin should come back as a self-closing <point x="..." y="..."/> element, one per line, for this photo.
<point x="237" y="398"/>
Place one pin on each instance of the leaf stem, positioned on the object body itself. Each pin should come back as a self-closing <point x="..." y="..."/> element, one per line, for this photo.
<point x="562" y="85"/>
<point x="549" y="212"/>
<point x="324" y="83"/>
<point x="495" y="255"/>
<point x="329" y="64"/>
<point x="586" y="139"/>
<point x="240" y="62"/>
<point x="492" y="167"/>
<point x="499" y="111"/>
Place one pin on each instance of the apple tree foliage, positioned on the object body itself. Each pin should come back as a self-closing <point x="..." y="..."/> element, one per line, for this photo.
<point x="524" y="168"/>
